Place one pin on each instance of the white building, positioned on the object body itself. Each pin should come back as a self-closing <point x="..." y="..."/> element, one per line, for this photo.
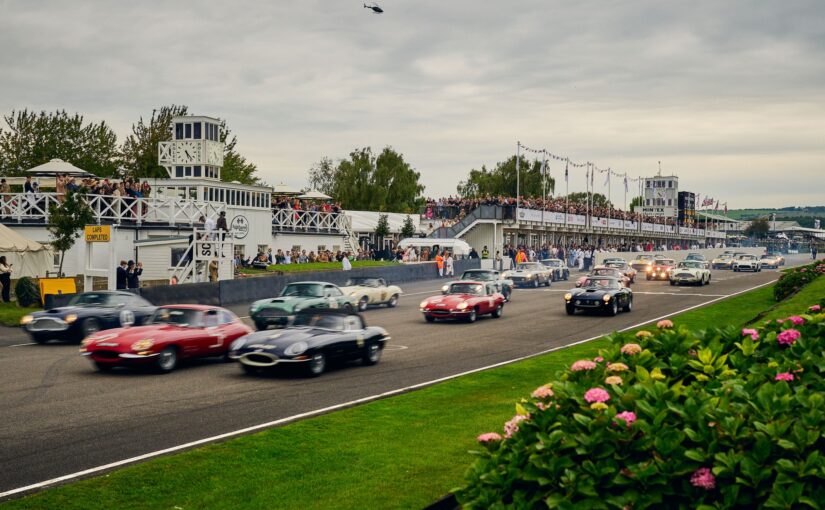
<point x="661" y="196"/>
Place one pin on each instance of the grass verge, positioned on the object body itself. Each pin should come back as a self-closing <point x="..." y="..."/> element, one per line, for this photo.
<point x="402" y="452"/>
<point x="11" y="313"/>
<point x="314" y="266"/>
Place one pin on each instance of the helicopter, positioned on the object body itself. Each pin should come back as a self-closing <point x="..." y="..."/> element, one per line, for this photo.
<point x="374" y="7"/>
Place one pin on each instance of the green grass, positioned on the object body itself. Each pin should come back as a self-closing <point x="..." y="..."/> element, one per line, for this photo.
<point x="314" y="266"/>
<point x="11" y="313"/>
<point x="401" y="452"/>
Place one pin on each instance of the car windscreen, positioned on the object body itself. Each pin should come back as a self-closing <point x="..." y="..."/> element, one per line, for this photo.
<point x="605" y="271"/>
<point x="665" y="262"/>
<point x="617" y="265"/>
<point x="601" y="283"/>
<point x="467" y="288"/>
<point x="365" y="282"/>
<point x="478" y="275"/>
<point x="90" y="299"/>
<point x="319" y="320"/>
<point x="689" y="264"/>
<point x="528" y="267"/>
<point x="551" y="263"/>
<point x="303" y="290"/>
<point x="694" y="256"/>
<point x="185" y="317"/>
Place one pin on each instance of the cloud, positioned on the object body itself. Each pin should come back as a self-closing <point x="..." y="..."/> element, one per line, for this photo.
<point x="727" y="94"/>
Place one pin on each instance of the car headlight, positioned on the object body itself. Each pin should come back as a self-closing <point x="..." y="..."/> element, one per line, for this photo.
<point x="462" y="306"/>
<point x="445" y="288"/>
<point x="568" y="296"/>
<point x="26" y="319"/>
<point x="529" y="276"/>
<point x="296" y="349"/>
<point x="649" y="269"/>
<point x="297" y="309"/>
<point x="423" y="304"/>
<point x="606" y="298"/>
<point x="142" y="345"/>
<point x="237" y="344"/>
<point x="87" y="341"/>
<point x="70" y="318"/>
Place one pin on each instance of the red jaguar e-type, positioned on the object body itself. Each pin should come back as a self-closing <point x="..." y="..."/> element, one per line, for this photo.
<point x="172" y="333"/>
<point x="465" y="300"/>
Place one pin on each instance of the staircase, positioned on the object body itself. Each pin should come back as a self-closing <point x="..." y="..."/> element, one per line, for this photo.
<point x="483" y="212"/>
<point x="351" y="240"/>
<point x="201" y="252"/>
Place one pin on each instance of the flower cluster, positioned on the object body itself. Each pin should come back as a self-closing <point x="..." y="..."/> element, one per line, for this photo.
<point x="631" y="349"/>
<point x="583" y="364"/>
<point x="788" y="337"/>
<point x="754" y="334"/>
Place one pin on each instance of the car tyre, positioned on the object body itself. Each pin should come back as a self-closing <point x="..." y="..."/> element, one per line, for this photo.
<point x="571" y="310"/>
<point x="347" y="307"/>
<point x="629" y="306"/>
<point x="90" y="326"/>
<point x="40" y="339"/>
<point x="167" y="360"/>
<point x="672" y="283"/>
<point x="103" y="367"/>
<point x="249" y="369"/>
<point x="393" y="302"/>
<point x="498" y="311"/>
<point x="536" y="283"/>
<point x="507" y="294"/>
<point x="372" y="354"/>
<point x="707" y="282"/>
<point x="472" y="316"/>
<point x="429" y="318"/>
<point x="317" y="364"/>
<point x="260" y="326"/>
<point x="363" y="303"/>
<point x="614" y="308"/>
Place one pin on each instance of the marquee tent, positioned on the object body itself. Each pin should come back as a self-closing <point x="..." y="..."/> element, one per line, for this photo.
<point x="30" y="258"/>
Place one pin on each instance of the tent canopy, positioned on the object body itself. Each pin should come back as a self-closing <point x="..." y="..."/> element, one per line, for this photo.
<point x="30" y="258"/>
<point x="283" y="189"/>
<point x="314" y="195"/>
<point x="57" y="166"/>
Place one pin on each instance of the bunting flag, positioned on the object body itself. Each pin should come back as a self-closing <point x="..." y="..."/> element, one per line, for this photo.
<point x="708" y="201"/>
<point x="607" y="177"/>
<point x="566" y="172"/>
<point x="543" y="166"/>
<point x="625" y="184"/>
<point x="716" y="208"/>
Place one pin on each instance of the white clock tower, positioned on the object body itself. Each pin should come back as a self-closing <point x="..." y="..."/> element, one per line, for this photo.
<point x="196" y="149"/>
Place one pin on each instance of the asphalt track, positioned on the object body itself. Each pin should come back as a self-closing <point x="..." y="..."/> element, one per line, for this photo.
<point x="59" y="416"/>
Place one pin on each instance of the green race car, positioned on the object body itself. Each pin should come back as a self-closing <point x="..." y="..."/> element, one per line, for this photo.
<point x="280" y="311"/>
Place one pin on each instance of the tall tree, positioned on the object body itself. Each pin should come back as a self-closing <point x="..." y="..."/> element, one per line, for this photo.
<point x="321" y="176"/>
<point x="235" y="166"/>
<point x="597" y="199"/>
<point x="33" y="138"/>
<point x="408" y="228"/>
<point x="382" y="183"/>
<point x="67" y="222"/>
<point x="382" y="229"/>
<point x="502" y="180"/>
<point x="758" y="228"/>
<point x="637" y="202"/>
<point x="140" y="149"/>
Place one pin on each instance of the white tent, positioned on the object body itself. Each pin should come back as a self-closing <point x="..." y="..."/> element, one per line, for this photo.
<point x="283" y="189"/>
<point x="365" y="222"/>
<point x="57" y="166"/>
<point x="30" y="258"/>
<point x="314" y="195"/>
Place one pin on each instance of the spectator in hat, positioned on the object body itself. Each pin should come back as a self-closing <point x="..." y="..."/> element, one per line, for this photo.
<point x="133" y="272"/>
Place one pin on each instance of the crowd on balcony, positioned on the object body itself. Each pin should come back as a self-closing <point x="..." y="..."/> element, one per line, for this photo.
<point x="291" y="203"/>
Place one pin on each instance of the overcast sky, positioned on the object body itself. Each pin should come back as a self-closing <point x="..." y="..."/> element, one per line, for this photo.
<point x="728" y="95"/>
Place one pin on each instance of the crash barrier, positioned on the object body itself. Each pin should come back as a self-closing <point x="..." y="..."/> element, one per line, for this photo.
<point x="239" y="291"/>
<point x="229" y="292"/>
<point x="678" y="255"/>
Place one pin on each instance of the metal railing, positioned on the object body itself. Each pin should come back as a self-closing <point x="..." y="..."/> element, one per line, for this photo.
<point x="310" y="222"/>
<point x="34" y="208"/>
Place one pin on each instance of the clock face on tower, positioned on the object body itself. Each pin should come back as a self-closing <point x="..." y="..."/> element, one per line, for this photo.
<point x="188" y="153"/>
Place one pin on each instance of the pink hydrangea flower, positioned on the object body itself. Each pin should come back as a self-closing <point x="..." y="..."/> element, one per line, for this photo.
<point x="489" y="437"/>
<point x="751" y="332"/>
<point x="614" y="379"/>
<point x="583" y="364"/>
<point x="596" y="395"/>
<point x="542" y="392"/>
<point x="631" y="349"/>
<point x="703" y="478"/>
<point x="643" y="334"/>
<point x="664" y="324"/>
<point x="617" y="367"/>
<point x="788" y="337"/>
<point x="541" y="406"/>
<point x="815" y="308"/>
<point x="511" y="427"/>
<point x="628" y="416"/>
<point x="780" y="321"/>
<point x="598" y="359"/>
<point x="784" y="376"/>
<point x="797" y="320"/>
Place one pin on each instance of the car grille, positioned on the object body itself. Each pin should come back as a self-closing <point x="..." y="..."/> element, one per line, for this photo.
<point x="106" y="354"/>
<point x="684" y="275"/>
<point x="638" y="267"/>
<point x="439" y="312"/>
<point x="47" y="324"/>
<point x="587" y="302"/>
<point x="272" y="312"/>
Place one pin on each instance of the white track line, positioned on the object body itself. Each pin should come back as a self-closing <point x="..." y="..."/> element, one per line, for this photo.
<point x="351" y="403"/>
<point x="21" y="345"/>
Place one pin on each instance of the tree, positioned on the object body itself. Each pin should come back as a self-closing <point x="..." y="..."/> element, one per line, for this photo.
<point x="382" y="229"/>
<point x="67" y="222"/>
<point x="597" y="199"/>
<point x="383" y="183"/>
<point x="321" y="176"/>
<point x="502" y="180"/>
<point x="140" y="149"/>
<point x="33" y="139"/>
<point x="407" y="229"/>
<point x="758" y="228"/>
<point x="637" y="202"/>
<point x="235" y="166"/>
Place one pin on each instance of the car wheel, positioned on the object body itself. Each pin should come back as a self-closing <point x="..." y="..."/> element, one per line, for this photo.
<point x="536" y="283"/>
<point x="167" y="360"/>
<point x="347" y="307"/>
<point x="570" y="309"/>
<point x="90" y="327"/>
<point x="498" y="311"/>
<point x="40" y="339"/>
<point x="372" y="354"/>
<point x="249" y="369"/>
<point x="614" y="308"/>
<point x="362" y="303"/>
<point x="648" y="277"/>
<point x="629" y="306"/>
<point x="317" y="364"/>
<point x="707" y="282"/>
<point x="507" y="296"/>
<point x="429" y="318"/>
<point x="260" y="326"/>
<point x="672" y="283"/>
<point x="104" y="367"/>
<point x="472" y="316"/>
<point x="547" y="282"/>
<point x="393" y="302"/>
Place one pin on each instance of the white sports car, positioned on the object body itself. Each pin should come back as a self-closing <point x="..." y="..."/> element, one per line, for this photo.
<point x="747" y="263"/>
<point x="367" y="291"/>
<point x="690" y="271"/>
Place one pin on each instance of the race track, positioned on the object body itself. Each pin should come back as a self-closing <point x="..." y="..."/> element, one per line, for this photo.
<point x="60" y="416"/>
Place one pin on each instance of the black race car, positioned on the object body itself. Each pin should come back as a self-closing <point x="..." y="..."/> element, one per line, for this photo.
<point x="599" y="293"/>
<point x="316" y="336"/>
<point x="86" y="314"/>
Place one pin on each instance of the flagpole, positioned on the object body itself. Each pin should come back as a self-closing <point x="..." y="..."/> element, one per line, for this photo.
<point x="608" y="196"/>
<point x="566" y="190"/>
<point x="587" y="193"/>
<point x="518" y="183"/>
<point x="544" y="185"/>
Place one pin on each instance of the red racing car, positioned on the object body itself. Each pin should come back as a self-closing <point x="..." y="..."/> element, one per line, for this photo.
<point x="172" y="333"/>
<point x="660" y="269"/>
<point x="465" y="300"/>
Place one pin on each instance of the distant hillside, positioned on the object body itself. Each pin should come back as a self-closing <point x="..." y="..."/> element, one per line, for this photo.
<point x="804" y="215"/>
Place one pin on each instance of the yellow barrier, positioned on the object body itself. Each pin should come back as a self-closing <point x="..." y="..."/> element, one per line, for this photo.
<point x="56" y="286"/>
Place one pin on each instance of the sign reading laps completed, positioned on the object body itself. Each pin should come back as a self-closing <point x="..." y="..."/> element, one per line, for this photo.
<point x="98" y="233"/>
